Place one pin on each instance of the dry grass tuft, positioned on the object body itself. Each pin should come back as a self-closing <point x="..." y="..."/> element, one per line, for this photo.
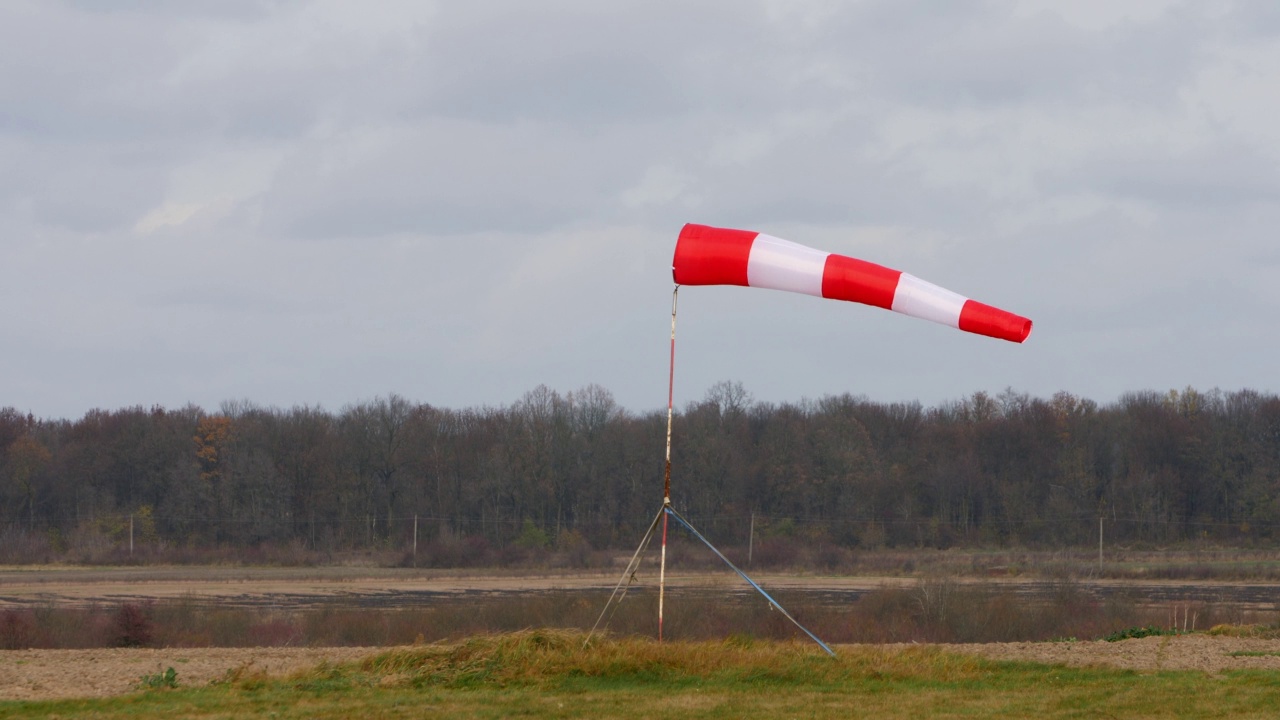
<point x="1264" y="632"/>
<point x="544" y="656"/>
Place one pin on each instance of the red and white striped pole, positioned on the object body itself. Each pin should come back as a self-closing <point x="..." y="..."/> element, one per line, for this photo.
<point x="719" y="256"/>
<point x="666" y="480"/>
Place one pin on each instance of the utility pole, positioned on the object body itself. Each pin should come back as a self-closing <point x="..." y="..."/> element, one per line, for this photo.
<point x="130" y="534"/>
<point x="415" y="540"/>
<point x="1099" y="544"/>
<point x="751" y="537"/>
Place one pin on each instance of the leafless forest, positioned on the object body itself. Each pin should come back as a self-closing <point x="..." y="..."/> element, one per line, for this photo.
<point x="577" y="474"/>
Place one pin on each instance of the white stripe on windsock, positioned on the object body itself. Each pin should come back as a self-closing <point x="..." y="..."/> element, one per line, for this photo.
<point x="918" y="298"/>
<point x="780" y="264"/>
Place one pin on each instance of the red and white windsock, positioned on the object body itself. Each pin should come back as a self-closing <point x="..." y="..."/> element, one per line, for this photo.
<point x="718" y="256"/>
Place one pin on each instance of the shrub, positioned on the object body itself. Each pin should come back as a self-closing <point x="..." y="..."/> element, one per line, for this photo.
<point x="17" y="630"/>
<point x="532" y="537"/>
<point x="1138" y="632"/>
<point x="133" y="626"/>
<point x="775" y="552"/>
<point x="159" y="681"/>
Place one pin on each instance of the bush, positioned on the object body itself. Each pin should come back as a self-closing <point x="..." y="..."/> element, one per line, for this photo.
<point x="160" y="681"/>
<point x="17" y="630"/>
<point x="776" y="552"/>
<point x="532" y="537"/>
<point x="133" y="626"/>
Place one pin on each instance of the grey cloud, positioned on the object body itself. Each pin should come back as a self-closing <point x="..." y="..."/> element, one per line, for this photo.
<point x="977" y="54"/>
<point x="825" y="180"/>
<point x="446" y="178"/>
<point x="87" y="188"/>
<point x="344" y="201"/>
<point x="573" y="63"/>
<point x="242" y="10"/>
<point x="70" y="75"/>
<point x="1255" y="20"/>
<point x="1222" y="174"/>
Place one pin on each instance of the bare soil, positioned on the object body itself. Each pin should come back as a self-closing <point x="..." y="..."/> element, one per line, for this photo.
<point x="1212" y="654"/>
<point x="370" y="587"/>
<point x="300" y="587"/>
<point x="54" y="674"/>
<point x="48" y="674"/>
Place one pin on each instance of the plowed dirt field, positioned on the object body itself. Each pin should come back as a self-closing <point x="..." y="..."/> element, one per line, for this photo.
<point x="32" y="674"/>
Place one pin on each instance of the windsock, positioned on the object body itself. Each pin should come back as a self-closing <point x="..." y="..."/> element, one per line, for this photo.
<point x="718" y="256"/>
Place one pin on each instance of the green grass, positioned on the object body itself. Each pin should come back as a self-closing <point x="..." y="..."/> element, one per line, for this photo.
<point x="549" y="674"/>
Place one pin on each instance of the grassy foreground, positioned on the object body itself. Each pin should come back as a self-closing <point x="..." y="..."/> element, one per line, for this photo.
<point x="550" y="674"/>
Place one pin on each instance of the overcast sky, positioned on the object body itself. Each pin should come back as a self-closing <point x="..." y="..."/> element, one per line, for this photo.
<point x="323" y="202"/>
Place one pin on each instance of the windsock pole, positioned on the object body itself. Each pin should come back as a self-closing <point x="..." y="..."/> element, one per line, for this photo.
<point x="666" y="476"/>
<point x="668" y="511"/>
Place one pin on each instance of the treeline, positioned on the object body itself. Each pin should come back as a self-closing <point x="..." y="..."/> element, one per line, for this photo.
<point x="576" y="469"/>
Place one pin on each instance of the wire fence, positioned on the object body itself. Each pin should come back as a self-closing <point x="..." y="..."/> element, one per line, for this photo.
<point x="731" y="527"/>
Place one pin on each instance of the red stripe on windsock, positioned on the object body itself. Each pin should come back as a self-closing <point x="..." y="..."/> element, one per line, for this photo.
<point x="712" y="256"/>
<point x="976" y="317"/>
<point x="846" y="278"/>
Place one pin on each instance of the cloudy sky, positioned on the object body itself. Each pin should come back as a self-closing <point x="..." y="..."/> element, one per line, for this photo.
<point x="323" y="202"/>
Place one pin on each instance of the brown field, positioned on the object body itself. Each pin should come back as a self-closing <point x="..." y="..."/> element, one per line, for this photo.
<point x="36" y="674"/>
<point x="300" y="587"/>
<point x="291" y="587"/>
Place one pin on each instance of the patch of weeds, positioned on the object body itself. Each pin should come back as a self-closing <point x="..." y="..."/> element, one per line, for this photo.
<point x="244" y="677"/>
<point x="160" y="681"/>
<point x="1245" y="631"/>
<point x="1134" y="633"/>
<point x="1254" y="653"/>
<point x="325" y="679"/>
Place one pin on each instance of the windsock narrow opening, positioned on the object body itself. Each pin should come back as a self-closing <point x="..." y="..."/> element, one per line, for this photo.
<point x="980" y="318"/>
